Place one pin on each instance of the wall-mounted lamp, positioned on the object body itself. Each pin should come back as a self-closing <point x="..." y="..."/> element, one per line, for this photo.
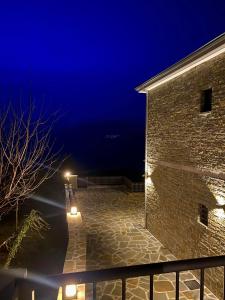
<point x="147" y="174"/>
<point x="70" y="291"/>
<point x="148" y="179"/>
<point x="73" y="210"/>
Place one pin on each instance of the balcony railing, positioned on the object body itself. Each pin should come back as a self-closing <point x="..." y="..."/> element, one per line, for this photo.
<point x="26" y="287"/>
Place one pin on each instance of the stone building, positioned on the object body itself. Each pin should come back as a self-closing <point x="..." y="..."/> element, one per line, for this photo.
<point x="185" y="156"/>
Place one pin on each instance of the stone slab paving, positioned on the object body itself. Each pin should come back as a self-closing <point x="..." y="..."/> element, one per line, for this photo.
<point x="75" y="260"/>
<point x="113" y="222"/>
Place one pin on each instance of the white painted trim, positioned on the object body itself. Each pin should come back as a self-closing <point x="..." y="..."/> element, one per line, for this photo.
<point x="200" y="223"/>
<point x="186" y="68"/>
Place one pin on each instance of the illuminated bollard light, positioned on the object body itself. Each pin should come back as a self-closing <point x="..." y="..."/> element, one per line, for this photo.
<point x="73" y="210"/>
<point x="70" y="291"/>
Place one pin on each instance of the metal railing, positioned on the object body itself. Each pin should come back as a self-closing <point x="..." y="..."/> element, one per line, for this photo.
<point x="124" y="273"/>
<point x="104" y="180"/>
<point x="134" y="186"/>
<point x="116" y="180"/>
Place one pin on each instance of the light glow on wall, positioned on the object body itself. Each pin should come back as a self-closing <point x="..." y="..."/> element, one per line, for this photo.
<point x="219" y="212"/>
<point x="148" y="173"/>
<point x="220" y="200"/>
<point x="148" y="180"/>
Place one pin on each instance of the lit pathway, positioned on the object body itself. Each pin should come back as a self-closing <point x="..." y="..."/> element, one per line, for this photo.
<point x="114" y="236"/>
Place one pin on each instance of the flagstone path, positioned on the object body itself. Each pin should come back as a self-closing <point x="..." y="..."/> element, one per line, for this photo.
<point x="113" y="223"/>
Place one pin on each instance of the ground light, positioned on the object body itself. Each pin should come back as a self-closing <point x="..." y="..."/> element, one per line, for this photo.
<point x="70" y="291"/>
<point x="73" y="210"/>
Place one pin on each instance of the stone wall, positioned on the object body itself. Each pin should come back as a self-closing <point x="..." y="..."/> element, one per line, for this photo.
<point x="186" y="160"/>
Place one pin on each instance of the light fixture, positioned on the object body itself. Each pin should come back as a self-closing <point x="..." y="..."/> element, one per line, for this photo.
<point x="73" y="210"/>
<point x="67" y="175"/>
<point x="148" y="171"/>
<point x="71" y="291"/>
<point x="219" y="212"/>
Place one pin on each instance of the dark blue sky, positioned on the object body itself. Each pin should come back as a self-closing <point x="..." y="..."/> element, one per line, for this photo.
<point x="86" y="57"/>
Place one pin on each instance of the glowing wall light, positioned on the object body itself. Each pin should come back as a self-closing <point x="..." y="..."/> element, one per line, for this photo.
<point x="220" y="200"/>
<point x="148" y="180"/>
<point x="73" y="210"/>
<point x="219" y="212"/>
<point x="71" y="291"/>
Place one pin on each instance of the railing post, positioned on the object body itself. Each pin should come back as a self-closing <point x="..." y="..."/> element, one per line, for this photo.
<point x="123" y="289"/>
<point x="70" y="192"/>
<point x="224" y="282"/>
<point x="151" y="285"/>
<point x="202" y="279"/>
<point x="67" y="197"/>
<point x="94" y="290"/>
<point x="177" y="285"/>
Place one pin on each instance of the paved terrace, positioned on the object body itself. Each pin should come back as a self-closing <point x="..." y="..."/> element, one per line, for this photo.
<point x="109" y="233"/>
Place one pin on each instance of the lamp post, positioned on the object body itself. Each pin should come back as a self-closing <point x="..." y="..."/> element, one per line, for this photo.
<point x="67" y="175"/>
<point x="70" y="187"/>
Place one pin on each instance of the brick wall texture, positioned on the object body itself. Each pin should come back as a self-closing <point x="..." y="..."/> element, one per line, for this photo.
<point x="185" y="155"/>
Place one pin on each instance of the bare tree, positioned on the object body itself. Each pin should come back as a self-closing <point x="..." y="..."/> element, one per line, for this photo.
<point x="27" y="156"/>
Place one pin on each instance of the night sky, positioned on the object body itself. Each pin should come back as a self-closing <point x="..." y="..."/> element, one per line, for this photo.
<point x="86" y="57"/>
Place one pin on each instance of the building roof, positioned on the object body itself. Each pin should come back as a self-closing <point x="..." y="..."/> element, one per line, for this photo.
<point x="203" y="54"/>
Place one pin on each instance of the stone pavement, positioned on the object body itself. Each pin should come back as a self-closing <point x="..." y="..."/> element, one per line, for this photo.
<point x="113" y="230"/>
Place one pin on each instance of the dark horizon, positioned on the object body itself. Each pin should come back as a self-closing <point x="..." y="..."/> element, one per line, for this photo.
<point x="104" y="148"/>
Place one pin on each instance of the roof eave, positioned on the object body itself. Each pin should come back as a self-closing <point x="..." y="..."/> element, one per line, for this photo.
<point x="217" y="43"/>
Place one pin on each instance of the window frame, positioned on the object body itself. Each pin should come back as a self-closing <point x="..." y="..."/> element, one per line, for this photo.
<point x="203" y="214"/>
<point x="206" y="100"/>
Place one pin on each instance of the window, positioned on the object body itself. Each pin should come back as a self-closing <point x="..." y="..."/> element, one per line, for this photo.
<point x="203" y="214"/>
<point x="206" y="100"/>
